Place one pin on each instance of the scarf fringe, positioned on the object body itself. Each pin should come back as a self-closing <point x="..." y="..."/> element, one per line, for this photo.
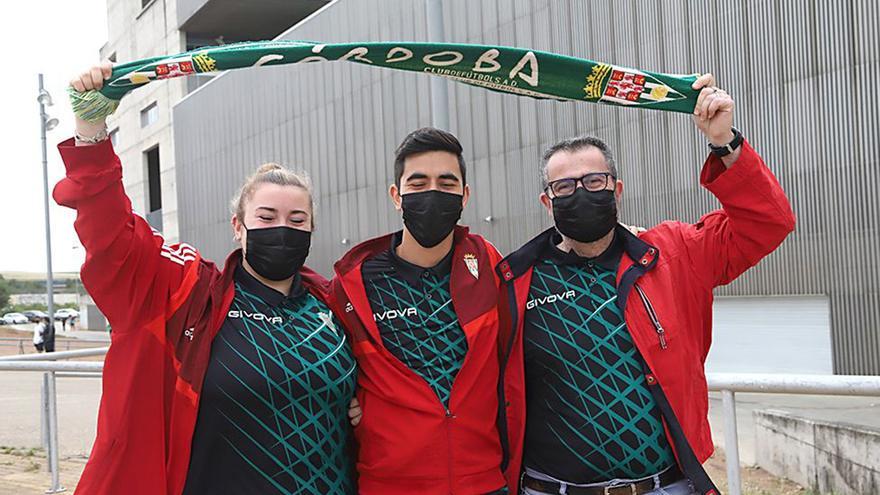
<point x="91" y="106"/>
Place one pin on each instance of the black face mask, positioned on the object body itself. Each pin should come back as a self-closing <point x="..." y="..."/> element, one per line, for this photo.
<point x="277" y="253"/>
<point x="585" y="216"/>
<point x="431" y="215"/>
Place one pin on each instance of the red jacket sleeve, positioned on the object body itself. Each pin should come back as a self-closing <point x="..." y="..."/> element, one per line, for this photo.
<point x="129" y="271"/>
<point x="754" y="219"/>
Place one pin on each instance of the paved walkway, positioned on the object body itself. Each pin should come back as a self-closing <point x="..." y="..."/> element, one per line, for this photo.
<point x="23" y="472"/>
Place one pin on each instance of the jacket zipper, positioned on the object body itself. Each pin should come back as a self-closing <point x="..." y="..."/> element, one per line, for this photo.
<point x="661" y="333"/>
<point x="449" y="418"/>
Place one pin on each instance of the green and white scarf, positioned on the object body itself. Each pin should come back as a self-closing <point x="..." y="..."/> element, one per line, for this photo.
<point x="505" y="69"/>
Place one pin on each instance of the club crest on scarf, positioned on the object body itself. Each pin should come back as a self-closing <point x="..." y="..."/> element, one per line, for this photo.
<point x="471" y="262"/>
<point x="625" y="86"/>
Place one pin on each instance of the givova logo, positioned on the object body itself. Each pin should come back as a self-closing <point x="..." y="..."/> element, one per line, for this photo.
<point x="552" y="298"/>
<point x="239" y="314"/>
<point x="392" y="314"/>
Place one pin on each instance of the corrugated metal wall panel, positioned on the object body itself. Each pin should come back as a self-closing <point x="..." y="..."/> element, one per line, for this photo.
<point x="803" y="74"/>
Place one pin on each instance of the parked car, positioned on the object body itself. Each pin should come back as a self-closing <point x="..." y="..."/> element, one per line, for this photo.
<point x="66" y="313"/>
<point x="14" y="319"/>
<point x="35" y="315"/>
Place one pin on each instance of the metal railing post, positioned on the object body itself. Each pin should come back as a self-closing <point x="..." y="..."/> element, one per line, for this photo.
<point x="731" y="444"/>
<point x="44" y="413"/>
<point x="52" y="454"/>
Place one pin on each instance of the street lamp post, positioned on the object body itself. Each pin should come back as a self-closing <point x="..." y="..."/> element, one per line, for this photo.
<point x="47" y="124"/>
<point x="439" y="87"/>
<point x="50" y="414"/>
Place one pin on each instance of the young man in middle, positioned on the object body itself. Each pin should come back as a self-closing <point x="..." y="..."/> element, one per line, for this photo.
<point x="420" y="305"/>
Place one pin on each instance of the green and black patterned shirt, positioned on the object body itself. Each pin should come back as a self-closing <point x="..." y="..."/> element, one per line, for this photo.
<point x="590" y="415"/>
<point x="273" y="412"/>
<point x="413" y="309"/>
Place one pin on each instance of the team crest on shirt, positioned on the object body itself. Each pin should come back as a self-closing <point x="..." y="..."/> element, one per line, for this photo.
<point x="471" y="261"/>
<point x="327" y="320"/>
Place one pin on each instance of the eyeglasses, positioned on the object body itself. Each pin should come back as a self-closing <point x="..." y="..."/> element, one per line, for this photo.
<point x="592" y="182"/>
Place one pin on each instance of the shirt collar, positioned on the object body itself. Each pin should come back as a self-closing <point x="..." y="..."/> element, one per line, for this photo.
<point x="609" y="259"/>
<point x="412" y="273"/>
<point x="271" y="296"/>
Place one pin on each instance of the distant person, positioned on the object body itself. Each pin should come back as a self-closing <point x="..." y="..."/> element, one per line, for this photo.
<point x="48" y="334"/>
<point x="39" y="334"/>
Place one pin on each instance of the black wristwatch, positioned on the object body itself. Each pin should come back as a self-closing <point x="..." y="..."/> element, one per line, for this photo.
<point x="728" y="148"/>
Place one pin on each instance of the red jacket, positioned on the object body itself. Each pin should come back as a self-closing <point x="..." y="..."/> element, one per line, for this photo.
<point x="407" y="442"/>
<point x="670" y="269"/>
<point x="165" y="305"/>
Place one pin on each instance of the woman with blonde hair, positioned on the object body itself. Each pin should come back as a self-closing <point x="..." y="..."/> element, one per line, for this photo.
<point x="233" y="380"/>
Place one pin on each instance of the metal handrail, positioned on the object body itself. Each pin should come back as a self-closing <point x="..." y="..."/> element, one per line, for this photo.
<point x="730" y="383"/>
<point x="795" y="384"/>
<point x="80" y="366"/>
<point x="56" y="356"/>
<point x="21" y="343"/>
<point x="9" y="341"/>
<point x="77" y="374"/>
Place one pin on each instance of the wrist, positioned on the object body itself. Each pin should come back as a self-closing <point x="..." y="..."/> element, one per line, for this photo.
<point x="722" y="139"/>
<point x="727" y="145"/>
<point x="90" y="133"/>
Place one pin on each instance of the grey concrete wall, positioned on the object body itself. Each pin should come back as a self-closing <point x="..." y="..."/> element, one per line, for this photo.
<point x="828" y="458"/>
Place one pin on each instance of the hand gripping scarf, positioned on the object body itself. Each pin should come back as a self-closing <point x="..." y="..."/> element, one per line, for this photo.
<point x="503" y="69"/>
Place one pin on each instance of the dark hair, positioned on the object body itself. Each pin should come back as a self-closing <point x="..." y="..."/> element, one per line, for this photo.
<point x="427" y="139"/>
<point x="571" y="145"/>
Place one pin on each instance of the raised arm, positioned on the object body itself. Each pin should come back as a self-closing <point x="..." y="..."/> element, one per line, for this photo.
<point x="755" y="217"/>
<point x="129" y="271"/>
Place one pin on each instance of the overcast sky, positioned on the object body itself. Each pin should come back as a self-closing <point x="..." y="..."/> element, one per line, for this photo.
<point x="58" y="38"/>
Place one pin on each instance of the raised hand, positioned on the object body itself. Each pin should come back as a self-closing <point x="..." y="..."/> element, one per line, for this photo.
<point x="93" y="78"/>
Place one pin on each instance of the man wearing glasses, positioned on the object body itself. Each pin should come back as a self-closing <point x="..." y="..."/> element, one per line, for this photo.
<point x="602" y="356"/>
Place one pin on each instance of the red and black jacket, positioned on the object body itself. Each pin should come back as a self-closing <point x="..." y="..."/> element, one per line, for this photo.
<point x="165" y="305"/>
<point x="665" y="281"/>
<point x="408" y="442"/>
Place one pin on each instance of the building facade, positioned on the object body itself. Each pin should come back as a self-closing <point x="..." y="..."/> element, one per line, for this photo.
<point x="141" y="128"/>
<point x="802" y="73"/>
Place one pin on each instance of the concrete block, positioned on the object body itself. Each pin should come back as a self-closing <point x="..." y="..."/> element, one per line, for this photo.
<point x="785" y="446"/>
<point x="848" y="459"/>
<point x="826" y="457"/>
